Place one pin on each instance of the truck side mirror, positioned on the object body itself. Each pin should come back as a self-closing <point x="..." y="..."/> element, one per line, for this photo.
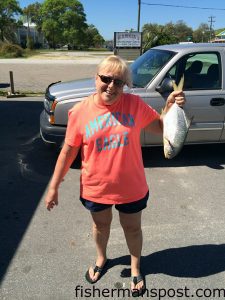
<point x="166" y="86"/>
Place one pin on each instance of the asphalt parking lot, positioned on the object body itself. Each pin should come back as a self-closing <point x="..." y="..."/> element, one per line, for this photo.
<point x="44" y="255"/>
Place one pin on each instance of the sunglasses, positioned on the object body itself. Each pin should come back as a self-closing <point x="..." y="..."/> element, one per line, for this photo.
<point x="109" y="79"/>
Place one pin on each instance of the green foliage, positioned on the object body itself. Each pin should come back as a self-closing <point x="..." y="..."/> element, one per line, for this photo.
<point x="10" y="50"/>
<point x="64" y="22"/>
<point x="155" y="34"/>
<point x="183" y="32"/>
<point x="8" y="23"/>
<point x="32" y="13"/>
<point x="202" y="33"/>
<point x="92" y="37"/>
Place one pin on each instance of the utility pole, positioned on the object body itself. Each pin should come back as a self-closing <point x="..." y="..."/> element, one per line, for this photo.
<point x="139" y="13"/>
<point x="211" y="21"/>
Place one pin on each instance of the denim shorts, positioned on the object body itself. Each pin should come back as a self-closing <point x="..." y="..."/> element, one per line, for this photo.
<point x="128" y="208"/>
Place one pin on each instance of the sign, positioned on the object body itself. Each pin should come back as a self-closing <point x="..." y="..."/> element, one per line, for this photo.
<point x="127" y="39"/>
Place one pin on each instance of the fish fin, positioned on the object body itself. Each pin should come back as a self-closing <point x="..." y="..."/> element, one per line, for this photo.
<point x="181" y="83"/>
<point x="168" y="141"/>
<point x="172" y="147"/>
<point x="168" y="149"/>
<point x="175" y="87"/>
<point x="189" y="121"/>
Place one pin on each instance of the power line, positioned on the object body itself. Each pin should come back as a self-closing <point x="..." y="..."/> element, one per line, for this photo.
<point x="182" y="6"/>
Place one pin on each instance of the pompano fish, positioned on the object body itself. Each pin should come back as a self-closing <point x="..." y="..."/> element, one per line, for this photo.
<point x="175" y="127"/>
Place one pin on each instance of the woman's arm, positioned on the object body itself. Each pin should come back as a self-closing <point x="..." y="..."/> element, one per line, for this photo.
<point x="64" y="161"/>
<point x="157" y="125"/>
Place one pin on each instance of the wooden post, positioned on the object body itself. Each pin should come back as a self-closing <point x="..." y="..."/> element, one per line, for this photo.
<point x="11" y="82"/>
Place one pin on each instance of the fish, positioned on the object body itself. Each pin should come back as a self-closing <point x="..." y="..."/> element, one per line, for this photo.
<point x="176" y="124"/>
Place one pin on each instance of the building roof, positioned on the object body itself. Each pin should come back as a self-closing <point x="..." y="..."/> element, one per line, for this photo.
<point x="221" y="33"/>
<point x="30" y="25"/>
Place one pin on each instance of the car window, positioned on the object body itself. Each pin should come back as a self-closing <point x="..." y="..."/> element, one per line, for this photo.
<point x="201" y="71"/>
<point x="148" y="65"/>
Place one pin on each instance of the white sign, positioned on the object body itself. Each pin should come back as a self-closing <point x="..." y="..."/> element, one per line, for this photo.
<point x="128" y="39"/>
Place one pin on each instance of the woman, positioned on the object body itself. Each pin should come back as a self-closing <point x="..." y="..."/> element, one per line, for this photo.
<point x="107" y="126"/>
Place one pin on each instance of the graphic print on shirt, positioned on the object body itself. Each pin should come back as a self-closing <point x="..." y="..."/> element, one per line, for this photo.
<point x="110" y="121"/>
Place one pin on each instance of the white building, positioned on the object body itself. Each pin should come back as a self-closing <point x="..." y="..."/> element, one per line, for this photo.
<point x="220" y="37"/>
<point x="29" y="29"/>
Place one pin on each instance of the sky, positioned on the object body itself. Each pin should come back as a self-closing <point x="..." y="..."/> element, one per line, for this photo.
<point x="120" y="15"/>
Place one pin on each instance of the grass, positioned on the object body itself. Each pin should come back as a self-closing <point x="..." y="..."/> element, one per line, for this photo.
<point x="29" y="53"/>
<point x="4" y="93"/>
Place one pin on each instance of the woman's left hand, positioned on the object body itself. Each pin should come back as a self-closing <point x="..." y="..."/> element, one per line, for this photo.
<point x="175" y="96"/>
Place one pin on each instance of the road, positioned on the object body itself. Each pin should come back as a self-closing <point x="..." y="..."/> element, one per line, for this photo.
<point x="36" y="73"/>
<point x="44" y="255"/>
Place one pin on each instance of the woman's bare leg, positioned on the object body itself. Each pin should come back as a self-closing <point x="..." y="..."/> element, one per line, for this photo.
<point x="131" y="224"/>
<point x="101" y="231"/>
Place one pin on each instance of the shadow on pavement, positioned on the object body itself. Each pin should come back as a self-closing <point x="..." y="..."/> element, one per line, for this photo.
<point x="26" y="167"/>
<point x="211" y="155"/>
<point x="193" y="261"/>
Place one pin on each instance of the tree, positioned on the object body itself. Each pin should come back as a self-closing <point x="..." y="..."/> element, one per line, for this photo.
<point x="64" y="22"/>
<point x="202" y="33"/>
<point x="155" y="34"/>
<point x="151" y="32"/>
<point x="93" y="38"/>
<point x="98" y="41"/>
<point x="183" y="32"/>
<point x="8" y="10"/>
<point x="32" y="14"/>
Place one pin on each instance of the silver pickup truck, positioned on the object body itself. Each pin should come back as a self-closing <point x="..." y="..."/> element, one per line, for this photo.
<point x="203" y="66"/>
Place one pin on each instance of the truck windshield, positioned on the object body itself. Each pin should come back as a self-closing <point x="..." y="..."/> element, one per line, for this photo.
<point x="148" y="65"/>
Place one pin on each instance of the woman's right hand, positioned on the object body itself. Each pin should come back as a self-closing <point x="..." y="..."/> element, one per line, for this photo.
<point x="65" y="159"/>
<point x="51" y="199"/>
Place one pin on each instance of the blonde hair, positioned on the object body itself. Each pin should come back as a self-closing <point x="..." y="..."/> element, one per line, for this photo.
<point x="118" y="65"/>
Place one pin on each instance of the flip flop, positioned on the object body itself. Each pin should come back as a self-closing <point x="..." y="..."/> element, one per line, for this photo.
<point x="96" y="269"/>
<point x="136" y="280"/>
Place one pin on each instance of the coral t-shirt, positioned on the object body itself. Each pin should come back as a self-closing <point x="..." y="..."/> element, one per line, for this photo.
<point x="112" y="170"/>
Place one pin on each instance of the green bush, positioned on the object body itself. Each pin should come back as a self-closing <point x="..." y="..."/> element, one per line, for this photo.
<point x="10" y="50"/>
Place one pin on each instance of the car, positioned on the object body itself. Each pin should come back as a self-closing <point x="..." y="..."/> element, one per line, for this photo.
<point x="203" y="67"/>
